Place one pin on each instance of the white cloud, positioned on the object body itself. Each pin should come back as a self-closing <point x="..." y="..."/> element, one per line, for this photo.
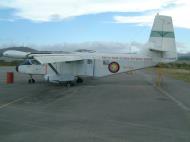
<point x="102" y="47"/>
<point x="49" y="10"/>
<point x="44" y="10"/>
<point x="140" y="20"/>
<point x="182" y="48"/>
<point x="178" y="9"/>
<point x="107" y="47"/>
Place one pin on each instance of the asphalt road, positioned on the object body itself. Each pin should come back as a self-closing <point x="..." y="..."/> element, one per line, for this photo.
<point x="119" y="108"/>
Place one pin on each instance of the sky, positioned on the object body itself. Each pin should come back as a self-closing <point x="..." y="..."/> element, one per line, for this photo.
<point x="51" y="23"/>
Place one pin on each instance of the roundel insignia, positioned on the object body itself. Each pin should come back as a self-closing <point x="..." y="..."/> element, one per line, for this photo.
<point x="113" y="67"/>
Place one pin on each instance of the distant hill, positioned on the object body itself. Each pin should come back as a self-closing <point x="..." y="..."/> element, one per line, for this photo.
<point x="24" y="49"/>
<point x="185" y="56"/>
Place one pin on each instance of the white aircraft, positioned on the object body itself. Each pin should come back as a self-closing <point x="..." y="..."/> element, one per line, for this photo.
<point x="71" y="67"/>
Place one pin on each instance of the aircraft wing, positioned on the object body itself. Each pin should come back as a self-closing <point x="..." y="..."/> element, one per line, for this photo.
<point x="45" y="59"/>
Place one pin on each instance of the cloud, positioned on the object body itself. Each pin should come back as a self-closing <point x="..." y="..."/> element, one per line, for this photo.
<point x="182" y="48"/>
<point x="139" y="20"/>
<point x="44" y="10"/>
<point x="178" y="9"/>
<point x="105" y="47"/>
<point x="51" y="10"/>
<point x="100" y="47"/>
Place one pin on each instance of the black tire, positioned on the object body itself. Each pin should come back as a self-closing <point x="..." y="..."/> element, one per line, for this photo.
<point x="33" y="81"/>
<point x="79" y="80"/>
<point x="68" y="84"/>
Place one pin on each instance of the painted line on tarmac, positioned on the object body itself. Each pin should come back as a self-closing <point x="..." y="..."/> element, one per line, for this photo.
<point x="179" y="103"/>
<point x="12" y="102"/>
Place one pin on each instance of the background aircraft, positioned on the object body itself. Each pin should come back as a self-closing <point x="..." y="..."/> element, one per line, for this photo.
<point x="71" y="67"/>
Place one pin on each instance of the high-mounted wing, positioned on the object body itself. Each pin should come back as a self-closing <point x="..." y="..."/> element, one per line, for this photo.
<point x="45" y="59"/>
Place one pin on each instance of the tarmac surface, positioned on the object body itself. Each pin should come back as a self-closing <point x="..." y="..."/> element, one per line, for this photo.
<point x="118" y="108"/>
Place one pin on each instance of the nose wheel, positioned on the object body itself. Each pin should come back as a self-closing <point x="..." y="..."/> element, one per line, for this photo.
<point x="31" y="80"/>
<point x="79" y="80"/>
<point x="68" y="84"/>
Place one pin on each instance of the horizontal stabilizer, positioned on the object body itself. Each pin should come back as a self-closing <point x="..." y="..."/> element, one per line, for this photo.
<point x="158" y="50"/>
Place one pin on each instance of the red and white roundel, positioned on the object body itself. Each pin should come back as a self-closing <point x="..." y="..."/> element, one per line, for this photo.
<point x="113" y="67"/>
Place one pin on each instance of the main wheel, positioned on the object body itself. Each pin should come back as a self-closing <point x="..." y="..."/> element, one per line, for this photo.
<point x="33" y="81"/>
<point x="68" y="84"/>
<point x="79" y="80"/>
<point x="29" y="81"/>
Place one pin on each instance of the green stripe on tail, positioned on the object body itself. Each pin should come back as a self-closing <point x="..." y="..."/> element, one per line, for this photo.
<point x="162" y="34"/>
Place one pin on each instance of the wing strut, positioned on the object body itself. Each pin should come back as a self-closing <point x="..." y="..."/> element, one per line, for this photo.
<point x="52" y="67"/>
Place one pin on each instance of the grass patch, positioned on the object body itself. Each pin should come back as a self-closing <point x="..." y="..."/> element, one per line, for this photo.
<point x="179" y="74"/>
<point x="12" y="63"/>
<point x="179" y="70"/>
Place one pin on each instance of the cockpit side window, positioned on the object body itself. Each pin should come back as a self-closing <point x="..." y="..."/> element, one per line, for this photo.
<point x="30" y="62"/>
<point x="27" y="62"/>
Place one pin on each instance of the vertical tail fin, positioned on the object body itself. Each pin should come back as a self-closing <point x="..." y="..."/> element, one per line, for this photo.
<point x="162" y="38"/>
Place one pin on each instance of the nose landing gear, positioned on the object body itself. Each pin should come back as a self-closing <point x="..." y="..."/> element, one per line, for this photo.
<point x="79" y="80"/>
<point x="16" y="68"/>
<point x="31" y="80"/>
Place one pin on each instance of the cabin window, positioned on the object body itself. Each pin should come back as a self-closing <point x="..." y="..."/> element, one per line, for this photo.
<point x="27" y="62"/>
<point x="30" y="62"/>
<point x="89" y="61"/>
<point x="106" y="62"/>
<point x="35" y="62"/>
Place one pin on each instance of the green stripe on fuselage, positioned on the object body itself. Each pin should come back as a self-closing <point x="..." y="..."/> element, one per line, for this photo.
<point x="162" y="34"/>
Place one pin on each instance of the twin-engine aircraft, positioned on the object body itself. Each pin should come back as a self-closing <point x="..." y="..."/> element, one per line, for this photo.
<point x="72" y="67"/>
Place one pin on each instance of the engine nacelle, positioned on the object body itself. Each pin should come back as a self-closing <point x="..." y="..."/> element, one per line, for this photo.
<point x="15" y="54"/>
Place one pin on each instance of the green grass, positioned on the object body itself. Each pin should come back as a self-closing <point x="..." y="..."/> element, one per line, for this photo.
<point x="179" y="74"/>
<point x="179" y="70"/>
<point x="12" y="63"/>
<point x="176" y="65"/>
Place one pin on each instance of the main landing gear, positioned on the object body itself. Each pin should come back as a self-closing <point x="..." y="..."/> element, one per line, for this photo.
<point x="68" y="84"/>
<point x="79" y="80"/>
<point x="31" y="80"/>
